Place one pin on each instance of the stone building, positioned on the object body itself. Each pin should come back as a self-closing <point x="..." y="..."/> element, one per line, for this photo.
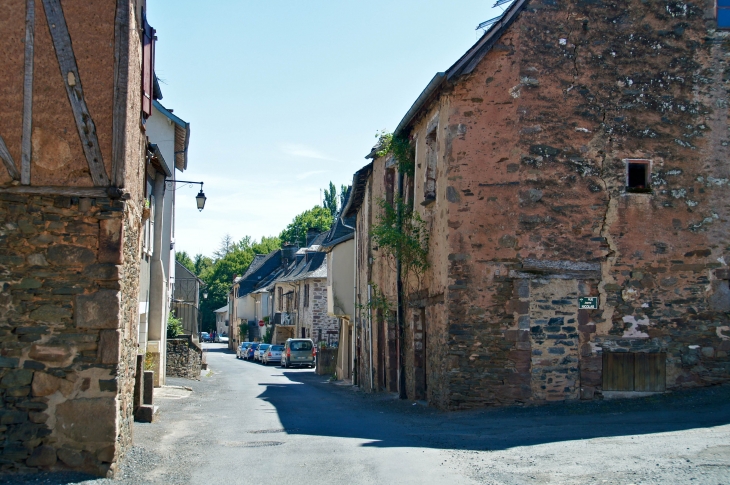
<point x="578" y="150"/>
<point x="73" y="147"/>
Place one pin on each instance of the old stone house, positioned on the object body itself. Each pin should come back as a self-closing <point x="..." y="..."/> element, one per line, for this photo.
<point x="571" y="171"/>
<point x="299" y="296"/>
<point x="77" y="89"/>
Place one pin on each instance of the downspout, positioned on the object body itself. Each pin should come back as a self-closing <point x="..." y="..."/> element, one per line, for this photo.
<point x="370" y="334"/>
<point x="158" y="293"/>
<point x="354" y="304"/>
<point x="400" y="310"/>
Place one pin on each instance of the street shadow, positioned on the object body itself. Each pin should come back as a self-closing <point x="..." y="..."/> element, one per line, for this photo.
<point x="322" y="409"/>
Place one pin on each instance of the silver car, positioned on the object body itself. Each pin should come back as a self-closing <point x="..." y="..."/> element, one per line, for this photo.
<point x="259" y="353"/>
<point x="298" y="351"/>
<point x="241" y="350"/>
<point x="272" y="354"/>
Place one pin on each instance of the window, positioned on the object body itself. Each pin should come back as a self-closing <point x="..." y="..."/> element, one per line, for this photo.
<point x="638" y="175"/>
<point x="723" y="14"/>
<point x="429" y="188"/>
<point x="306" y="295"/>
<point x="148" y="66"/>
<point x="389" y="184"/>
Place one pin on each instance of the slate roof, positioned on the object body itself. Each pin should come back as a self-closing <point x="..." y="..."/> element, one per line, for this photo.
<point x="261" y="267"/>
<point x="182" y="273"/>
<point x="313" y="265"/>
<point x="357" y="192"/>
<point x="340" y="232"/>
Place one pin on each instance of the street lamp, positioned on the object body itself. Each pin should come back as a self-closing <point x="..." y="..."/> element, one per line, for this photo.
<point x="200" y="198"/>
<point x="205" y="294"/>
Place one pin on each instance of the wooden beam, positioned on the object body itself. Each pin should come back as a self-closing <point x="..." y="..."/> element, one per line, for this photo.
<point x="91" y="192"/>
<point x="8" y="160"/>
<point x="25" y="154"/>
<point x="121" y="82"/>
<point x="72" y="81"/>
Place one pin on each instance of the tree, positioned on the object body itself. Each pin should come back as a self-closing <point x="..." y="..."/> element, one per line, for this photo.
<point x="226" y="246"/>
<point x="316" y="218"/>
<point x="344" y="190"/>
<point x="183" y="258"/>
<point x="219" y="275"/>
<point x="202" y="263"/>
<point x="330" y="199"/>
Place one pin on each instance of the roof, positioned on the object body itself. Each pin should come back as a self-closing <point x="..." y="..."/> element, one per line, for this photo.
<point x="222" y="309"/>
<point x="357" y="193"/>
<point x="182" y="136"/>
<point x="258" y="271"/>
<point x="465" y="64"/>
<point x="158" y="161"/>
<point x="313" y="265"/>
<point x="340" y="231"/>
<point x="182" y="273"/>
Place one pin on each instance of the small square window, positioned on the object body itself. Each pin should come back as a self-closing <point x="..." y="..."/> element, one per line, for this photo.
<point x="638" y="176"/>
<point x="722" y="8"/>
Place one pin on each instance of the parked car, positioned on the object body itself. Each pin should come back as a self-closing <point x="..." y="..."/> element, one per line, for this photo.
<point x="204" y="337"/>
<point x="260" y="351"/>
<point x="298" y="352"/>
<point x="241" y="350"/>
<point x="251" y="350"/>
<point x="273" y="354"/>
<point x="223" y="339"/>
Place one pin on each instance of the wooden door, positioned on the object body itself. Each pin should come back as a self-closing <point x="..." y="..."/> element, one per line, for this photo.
<point x="650" y="372"/>
<point x="618" y="371"/>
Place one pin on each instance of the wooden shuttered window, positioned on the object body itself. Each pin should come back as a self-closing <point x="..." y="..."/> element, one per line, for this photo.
<point x="148" y="67"/>
<point x="627" y="371"/>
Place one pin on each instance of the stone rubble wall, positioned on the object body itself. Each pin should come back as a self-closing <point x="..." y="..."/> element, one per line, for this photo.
<point x="184" y="358"/>
<point x="67" y="332"/>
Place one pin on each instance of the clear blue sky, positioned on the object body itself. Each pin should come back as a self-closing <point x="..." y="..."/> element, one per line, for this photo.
<point x="285" y="95"/>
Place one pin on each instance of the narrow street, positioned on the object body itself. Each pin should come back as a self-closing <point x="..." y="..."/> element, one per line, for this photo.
<point x="244" y="423"/>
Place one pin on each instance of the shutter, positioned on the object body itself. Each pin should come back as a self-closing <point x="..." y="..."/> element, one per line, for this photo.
<point x="618" y="371"/>
<point x="148" y="67"/>
<point x="650" y="372"/>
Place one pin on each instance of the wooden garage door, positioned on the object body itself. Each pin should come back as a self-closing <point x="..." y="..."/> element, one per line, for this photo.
<point x="650" y="372"/>
<point x="618" y="371"/>
<point x="627" y="371"/>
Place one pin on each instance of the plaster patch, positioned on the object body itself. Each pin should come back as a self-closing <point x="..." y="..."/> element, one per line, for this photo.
<point x="633" y="331"/>
<point x="723" y="332"/>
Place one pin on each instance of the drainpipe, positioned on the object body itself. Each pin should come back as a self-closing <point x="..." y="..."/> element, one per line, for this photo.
<point x="158" y="295"/>
<point x="354" y="303"/>
<point x="370" y="334"/>
<point x="400" y="310"/>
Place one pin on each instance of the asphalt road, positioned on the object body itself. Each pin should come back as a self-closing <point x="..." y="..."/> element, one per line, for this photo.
<point x="244" y="423"/>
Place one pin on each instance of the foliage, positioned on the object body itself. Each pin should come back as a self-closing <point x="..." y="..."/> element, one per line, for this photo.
<point x="226" y="246"/>
<point x="402" y="234"/>
<point x="243" y="332"/>
<point x="344" y="189"/>
<point x="269" y="334"/>
<point x="400" y="147"/>
<point x="201" y="264"/>
<point x="330" y="199"/>
<point x="174" y="326"/>
<point x="218" y="277"/>
<point x="378" y="301"/>
<point x="183" y="258"/>
<point x="316" y="218"/>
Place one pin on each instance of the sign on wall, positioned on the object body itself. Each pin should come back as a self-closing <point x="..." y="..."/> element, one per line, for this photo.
<point x="588" y="303"/>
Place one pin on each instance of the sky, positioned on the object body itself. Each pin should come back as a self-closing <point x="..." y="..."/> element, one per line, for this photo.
<point x="284" y="96"/>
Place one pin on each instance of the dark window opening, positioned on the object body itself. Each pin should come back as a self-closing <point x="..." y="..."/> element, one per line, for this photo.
<point x="638" y="176"/>
<point x="723" y="14"/>
<point x="429" y="189"/>
<point x="389" y="185"/>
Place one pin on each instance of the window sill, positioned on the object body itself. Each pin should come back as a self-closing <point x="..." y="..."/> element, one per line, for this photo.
<point x="428" y="201"/>
<point x="634" y="190"/>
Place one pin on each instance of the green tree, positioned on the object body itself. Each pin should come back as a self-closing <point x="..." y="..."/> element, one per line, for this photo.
<point x="226" y="246"/>
<point x="344" y="189"/>
<point x="183" y="258"/>
<point x="202" y="263"/>
<point x="219" y="275"/>
<point x="330" y="199"/>
<point x="316" y="218"/>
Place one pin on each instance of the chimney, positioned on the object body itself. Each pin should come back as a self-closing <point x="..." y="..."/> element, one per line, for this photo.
<point x="234" y="277"/>
<point x="312" y="233"/>
<point x="288" y="250"/>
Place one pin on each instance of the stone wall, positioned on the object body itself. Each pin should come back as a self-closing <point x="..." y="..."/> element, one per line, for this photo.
<point x="67" y="309"/>
<point x="315" y="316"/>
<point x="184" y="358"/>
